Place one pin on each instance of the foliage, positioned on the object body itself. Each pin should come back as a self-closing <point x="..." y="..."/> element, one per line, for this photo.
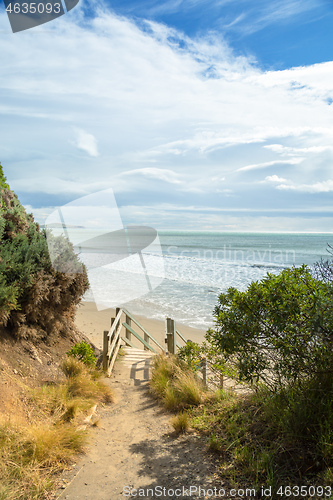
<point x="279" y="330"/>
<point x="83" y="381"/>
<point x="191" y="354"/>
<point x="35" y="298"/>
<point x="269" y="438"/>
<point x="83" y="352"/>
<point x="72" y="367"/>
<point x="30" y="455"/>
<point x="3" y="183"/>
<point x="194" y="354"/>
<point x="276" y="335"/>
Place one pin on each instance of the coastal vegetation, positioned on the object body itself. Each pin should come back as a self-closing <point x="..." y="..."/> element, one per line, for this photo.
<point x="175" y="383"/>
<point x="45" y="395"/>
<point x="276" y="338"/>
<point x="36" y="300"/>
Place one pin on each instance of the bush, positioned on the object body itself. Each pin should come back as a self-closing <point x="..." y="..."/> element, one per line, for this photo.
<point x="277" y="335"/>
<point x="191" y="354"/>
<point x="83" y="352"/>
<point x="323" y="270"/>
<point x="279" y="331"/>
<point x="35" y="298"/>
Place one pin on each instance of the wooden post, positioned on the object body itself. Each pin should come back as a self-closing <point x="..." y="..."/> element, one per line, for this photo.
<point x="105" y="349"/>
<point x="128" y="333"/>
<point x="221" y="381"/>
<point x="171" y="336"/>
<point x="147" y="340"/>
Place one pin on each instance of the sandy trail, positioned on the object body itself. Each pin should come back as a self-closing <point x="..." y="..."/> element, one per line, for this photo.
<point x="135" y="447"/>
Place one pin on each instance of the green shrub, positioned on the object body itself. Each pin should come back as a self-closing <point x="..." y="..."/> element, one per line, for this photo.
<point x="3" y="183"/>
<point x="277" y="335"/>
<point x="279" y="330"/>
<point x="83" y="352"/>
<point x="164" y="370"/>
<point x="214" y="442"/>
<point x="191" y="354"/>
<point x="35" y="298"/>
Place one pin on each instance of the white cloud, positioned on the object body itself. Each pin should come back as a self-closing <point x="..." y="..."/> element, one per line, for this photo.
<point x="161" y="174"/>
<point x="274" y="178"/>
<point x="317" y="187"/>
<point x="256" y="166"/>
<point x="292" y="151"/>
<point x="87" y="142"/>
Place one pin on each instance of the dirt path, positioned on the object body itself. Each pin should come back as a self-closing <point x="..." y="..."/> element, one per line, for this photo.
<point x="135" y="447"/>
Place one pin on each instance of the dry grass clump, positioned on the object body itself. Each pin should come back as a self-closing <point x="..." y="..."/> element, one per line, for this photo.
<point x="31" y="454"/>
<point x="175" y="384"/>
<point x="181" y="422"/>
<point x="72" y="367"/>
<point x="83" y="381"/>
<point x="34" y="449"/>
<point x="72" y="397"/>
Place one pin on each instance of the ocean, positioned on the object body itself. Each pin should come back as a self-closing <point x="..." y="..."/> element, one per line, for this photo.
<point x="188" y="270"/>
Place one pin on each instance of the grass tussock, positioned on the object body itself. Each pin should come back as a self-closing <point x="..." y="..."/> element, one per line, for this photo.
<point x="175" y="384"/>
<point x="35" y="449"/>
<point x="181" y="422"/>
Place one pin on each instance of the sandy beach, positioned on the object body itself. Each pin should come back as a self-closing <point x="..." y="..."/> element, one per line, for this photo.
<point x="92" y="323"/>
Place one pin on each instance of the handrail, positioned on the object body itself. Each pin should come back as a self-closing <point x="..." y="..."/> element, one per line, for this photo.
<point x="180" y="335"/>
<point x="112" y="340"/>
<point x="111" y="343"/>
<point x="142" y="328"/>
<point x="128" y="327"/>
<point x="115" y="323"/>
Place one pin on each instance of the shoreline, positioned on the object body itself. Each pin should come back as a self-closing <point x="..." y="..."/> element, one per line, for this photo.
<point x="92" y="323"/>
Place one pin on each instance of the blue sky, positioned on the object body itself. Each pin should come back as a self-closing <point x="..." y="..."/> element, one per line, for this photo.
<point x="212" y="115"/>
<point x="277" y="34"/>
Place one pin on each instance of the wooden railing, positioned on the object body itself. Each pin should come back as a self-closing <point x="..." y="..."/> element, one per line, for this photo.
<point x="112" y="340"/>
<point x="111" y="343"/>
<point x="129" y="331"/>
<point x="171" y="336"/>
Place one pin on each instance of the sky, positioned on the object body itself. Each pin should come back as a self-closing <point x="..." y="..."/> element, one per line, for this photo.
<point x="199" y="114"/>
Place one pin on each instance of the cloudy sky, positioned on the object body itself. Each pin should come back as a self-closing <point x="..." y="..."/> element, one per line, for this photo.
<point x="199" y="114"/>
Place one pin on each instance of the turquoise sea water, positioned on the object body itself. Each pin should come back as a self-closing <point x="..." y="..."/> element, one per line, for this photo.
<point x="199" y="265"/>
